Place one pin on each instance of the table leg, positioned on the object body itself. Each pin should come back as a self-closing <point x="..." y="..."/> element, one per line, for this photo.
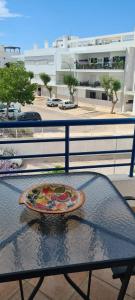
<point x="21" y="289"/>
<point x="125" y="282"/>
<point x="36" y="289"/>
<point x="77" y="289"/>
<point x="89" y="284"/>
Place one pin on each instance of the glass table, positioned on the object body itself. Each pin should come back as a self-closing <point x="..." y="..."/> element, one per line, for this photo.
<point x="98" y="235"/>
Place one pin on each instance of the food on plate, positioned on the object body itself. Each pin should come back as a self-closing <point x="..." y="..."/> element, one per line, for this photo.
<point x="53" y="198"/>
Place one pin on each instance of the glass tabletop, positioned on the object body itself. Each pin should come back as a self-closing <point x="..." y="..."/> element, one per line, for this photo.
<point x="98" y="234"/>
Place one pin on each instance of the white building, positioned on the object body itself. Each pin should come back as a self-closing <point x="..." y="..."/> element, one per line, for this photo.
<point x="8" y="54"/>
<point x="88" y="59"/>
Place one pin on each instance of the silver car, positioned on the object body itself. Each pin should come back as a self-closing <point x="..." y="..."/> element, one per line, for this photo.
<point x="67" y="105"/>
<point x="53" y="102"/>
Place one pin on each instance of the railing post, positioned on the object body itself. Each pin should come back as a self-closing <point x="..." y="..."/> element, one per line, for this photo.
<point x="132" y="157"/>
<point x="67" y="149"/>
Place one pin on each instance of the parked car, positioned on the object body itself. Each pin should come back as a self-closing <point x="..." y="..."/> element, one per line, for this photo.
<point x="2" y="112"/>
<point x="29" y="116"/>
<point x="12" y="113"/>
<point x="9" y="163"/>
<point x="67" y="105"/>
<point x="53" y="102"/>
<point x="16" y="105"/>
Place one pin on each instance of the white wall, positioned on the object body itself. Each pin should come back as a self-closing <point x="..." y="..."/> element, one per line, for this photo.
<point x="134" y="104"/>
<point x="62" y="92"/>
<point x="114" y="47"/>
<point x="42" y="69"/>
<point x="68" y="55"/>
<point x="129" y="70"/>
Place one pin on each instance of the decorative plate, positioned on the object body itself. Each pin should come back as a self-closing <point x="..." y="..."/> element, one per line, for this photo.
<point x="52" y="198"/>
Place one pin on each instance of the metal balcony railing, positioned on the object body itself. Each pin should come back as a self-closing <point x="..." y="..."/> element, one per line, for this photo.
<point x="98" y="66"/>
<point x="67" y="139"/>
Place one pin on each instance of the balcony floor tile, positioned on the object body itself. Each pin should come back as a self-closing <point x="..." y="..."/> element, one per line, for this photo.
<point x="103" y="287"/>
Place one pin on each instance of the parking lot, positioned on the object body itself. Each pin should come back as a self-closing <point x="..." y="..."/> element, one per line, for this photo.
<point x="54" y="113"/>
<point x="82" y="112"/>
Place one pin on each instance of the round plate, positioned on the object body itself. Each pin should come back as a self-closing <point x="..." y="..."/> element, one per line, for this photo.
<point x="52" y="198"/>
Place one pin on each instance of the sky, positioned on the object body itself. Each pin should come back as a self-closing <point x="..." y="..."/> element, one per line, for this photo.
<point x="26" y="22"/>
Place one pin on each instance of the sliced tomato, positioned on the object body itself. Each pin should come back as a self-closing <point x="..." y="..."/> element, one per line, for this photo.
<point x="47" y="190"/>
<point x="63" y="197"/>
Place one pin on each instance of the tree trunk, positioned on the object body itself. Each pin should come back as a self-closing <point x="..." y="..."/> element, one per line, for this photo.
<point x="116" y="97"/>
<point x="112" y="109"/>
<point x="48" y="90"/>
<point x="7" y="110"/>
<point x="70" y="93"/>
<point x="114" y="103"/>
<point x="73" y="98"/>
<point x="50" y="94"/>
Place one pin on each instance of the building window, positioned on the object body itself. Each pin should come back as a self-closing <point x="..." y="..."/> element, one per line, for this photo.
<point x="106" y="59"/>
<point x="104" y="96"/>
<point x="93" y="95"/>
<point x="45" y="59"/>
<point x="90" y="94"/>
<point x="39" y="91"/>
<point x="93" y="60"/>
<point x="129" y="102"/>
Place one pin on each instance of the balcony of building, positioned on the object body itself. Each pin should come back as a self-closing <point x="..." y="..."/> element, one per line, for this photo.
<point x="102" y="41"/>
<point x="85" y="65"/>
<point x="110" y="151"/>
<point x="105" y="140"/>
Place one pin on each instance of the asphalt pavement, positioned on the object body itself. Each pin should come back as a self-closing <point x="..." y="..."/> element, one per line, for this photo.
<point x="79" y="113"/>
<point x="82" y="112"/>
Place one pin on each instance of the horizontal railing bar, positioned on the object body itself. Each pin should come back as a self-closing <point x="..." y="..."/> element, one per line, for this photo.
<point x="100" y="166"/>
<point x="63" y="154"/>
<point x="100" y="152"/>
<point x="31" y="141"/>
<point x="101" y="137"/>
<point x="31" y="171"/>
<point x="60" y="123"/>
<point x="63" y="169"/>
<point x="31" y="156"/>
<point x="66" y="124"/>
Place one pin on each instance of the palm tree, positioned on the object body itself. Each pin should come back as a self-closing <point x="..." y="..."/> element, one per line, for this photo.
<point x="116" y="88"/>
<point x="111" y="87"/>
<point x="31" y="75"/>
<point x="46" y="79"/>
<point x="71" y="82"/>
<point x="50" y="90"/>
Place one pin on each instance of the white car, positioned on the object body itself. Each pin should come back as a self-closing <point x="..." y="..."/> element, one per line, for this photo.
<point x="67" y="105"/>
<point x="2" y="112"/>
<point x="12" y="113"/>
<point x="53" y="102"/>
<point x="16" y="106"/>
